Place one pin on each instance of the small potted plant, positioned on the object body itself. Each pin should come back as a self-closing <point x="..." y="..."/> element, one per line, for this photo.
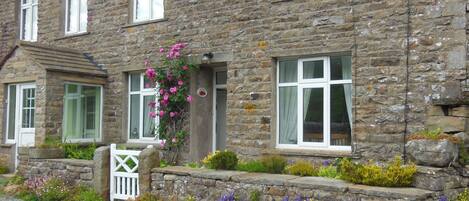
<point x="432" y="148"/>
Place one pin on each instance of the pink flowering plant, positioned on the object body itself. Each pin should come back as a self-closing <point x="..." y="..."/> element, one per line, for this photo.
<point x="173" y="97"/>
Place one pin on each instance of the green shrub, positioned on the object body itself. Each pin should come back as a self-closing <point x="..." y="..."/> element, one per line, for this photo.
<point x="255" y="195"/>
<point x="190" y="198"/>
<point x="4" y="169"/>
<point x="193" y="165"/>
<point x="16" y="180"/>
<point x="164" y="163"/>
<point x="51" y="142"/>
<point x="392" y="175"/>
<point x="464" y="196"/>
<point x="54" y="190"/>
<point x="77" y="151"/>
<point x="302" y="168"/>
<point x="223" y="160"/>
<point x="274" y="163"/>
<point x="85" y="193"/>
<point x="329" y="171"/>
<point x="251" y="166"/>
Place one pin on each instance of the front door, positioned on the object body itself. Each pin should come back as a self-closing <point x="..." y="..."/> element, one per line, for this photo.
<point x="25" y="110"/>
<point x="220" y="97"/>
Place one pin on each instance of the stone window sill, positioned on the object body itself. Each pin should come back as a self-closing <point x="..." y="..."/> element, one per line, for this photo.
<point x="310" y="153"/>
<point x="6" y="145"/>
<point x="144" y="23"/>
<point x="73" y="35"/>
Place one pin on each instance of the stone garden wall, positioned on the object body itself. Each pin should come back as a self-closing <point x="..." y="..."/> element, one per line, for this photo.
<point x="94" y="173"/>
<point x="79" y="171"/>
<point x="208" y="185"/>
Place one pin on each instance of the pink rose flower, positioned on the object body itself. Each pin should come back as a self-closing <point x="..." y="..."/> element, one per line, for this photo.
<point x="162" y="143"/>
<point x="189" y="98"/>
<point x="185" y="67"/>
<point x="166" y="97"/>
<point x="180" y="82"/>
<point x="172" y="114"/>
<point x="152" y="114"/>
<point x="174" y="140"/>
<point x="161" y="50"/>
<point x="161" y="91"/>
<point x="150" y="73"/>
<point x="173" y="90"/>
<point x="161" y="113"/>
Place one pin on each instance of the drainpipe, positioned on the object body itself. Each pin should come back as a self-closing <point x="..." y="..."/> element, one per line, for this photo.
<point x="406" y="99"/>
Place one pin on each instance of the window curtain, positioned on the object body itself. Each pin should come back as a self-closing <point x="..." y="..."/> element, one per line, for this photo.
<point x="347" y="74"/>
<point x="288" y="103"/>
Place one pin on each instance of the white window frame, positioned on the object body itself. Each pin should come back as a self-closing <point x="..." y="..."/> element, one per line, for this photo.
<point x="78" y="22"/>
<point x="324" y="83"/>
<point x="142" y="92"/>
<point x="152" y="15"/>
<point x="97" y="139"/>
<point x="30" y="5"/>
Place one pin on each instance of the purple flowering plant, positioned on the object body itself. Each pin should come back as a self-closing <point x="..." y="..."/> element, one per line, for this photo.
<point x="171" y="76"/>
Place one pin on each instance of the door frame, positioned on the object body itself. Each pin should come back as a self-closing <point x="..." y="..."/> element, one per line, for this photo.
<point x="214" y="105"/>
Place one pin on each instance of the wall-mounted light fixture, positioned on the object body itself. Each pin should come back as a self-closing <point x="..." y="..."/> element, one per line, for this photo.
<point x="207" y="57"/>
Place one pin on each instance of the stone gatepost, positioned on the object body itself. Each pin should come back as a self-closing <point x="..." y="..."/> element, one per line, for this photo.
<point x="101" y="171"/>
<point x="148" y="159"/>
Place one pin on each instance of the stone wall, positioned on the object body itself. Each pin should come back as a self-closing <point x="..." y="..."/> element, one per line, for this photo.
<point x="94" y="173"/>
<point x="255" y="33"/>
<point x="208" y="185"/>
<point x="79" y="171"/>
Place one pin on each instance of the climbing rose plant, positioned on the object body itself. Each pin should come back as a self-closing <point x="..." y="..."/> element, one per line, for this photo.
<point x="173" y="97"/>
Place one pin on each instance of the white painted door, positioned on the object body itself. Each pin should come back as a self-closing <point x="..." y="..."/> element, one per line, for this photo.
<point x="25" y="108"/>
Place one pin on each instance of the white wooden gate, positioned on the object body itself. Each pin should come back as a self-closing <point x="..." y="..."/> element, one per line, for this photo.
<point x="124" y="174"/>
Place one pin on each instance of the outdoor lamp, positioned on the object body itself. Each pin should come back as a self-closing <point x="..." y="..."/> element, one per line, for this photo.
<point x="207" y="57"/>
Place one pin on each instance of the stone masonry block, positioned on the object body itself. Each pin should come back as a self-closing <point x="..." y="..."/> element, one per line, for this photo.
<point x="448" y="124"/>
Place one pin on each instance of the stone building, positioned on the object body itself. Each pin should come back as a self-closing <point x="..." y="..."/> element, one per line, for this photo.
<point x="300" y="78"/>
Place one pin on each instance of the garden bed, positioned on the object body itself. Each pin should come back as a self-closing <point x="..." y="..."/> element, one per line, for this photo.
<point x="206" y="184"/>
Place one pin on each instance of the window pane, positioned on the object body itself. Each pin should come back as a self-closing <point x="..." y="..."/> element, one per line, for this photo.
<point x="12" y="112"/>
<point x="34" y="25"/>
<point x="220" y="111"/>
<point x="341" y="112"/>
<point x="221" y="77"/>
<point x="134" y="116"/>
<point x="288" y="115"/>
<point x="91" y="109"/>
<point x="82" y="112"/>
<point x="135" y="82"/>
<point x="26" y="26"/>
<point x="83" y="15"/>
<point x="148" y="122"/>
<point x="313" y="122"/>
<point x="73" y="15"/>
<point x="147" y="84"/>
<point x="288" y="71"/>
<point x="313" y="69"/>
<point x="157" y="9"/>
<point x="341" y="68"/>
<point x="72" y="88"/>
<point x="142" y="9"/>
<point x="72" y="124"/>
<point x="28" y="109"/>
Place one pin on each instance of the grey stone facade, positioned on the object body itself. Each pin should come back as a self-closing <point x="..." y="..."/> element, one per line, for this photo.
<point x="254" y="34"/>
